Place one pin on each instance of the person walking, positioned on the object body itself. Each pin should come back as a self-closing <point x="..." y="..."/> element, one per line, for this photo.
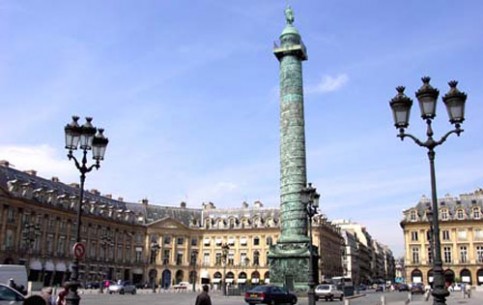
<point x="203" y="298"/>
<point x="61" y="296"/>
<point x="47" y="294"/>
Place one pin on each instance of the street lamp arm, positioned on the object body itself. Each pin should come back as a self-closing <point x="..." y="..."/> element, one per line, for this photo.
<point x="403" y="135"/>
<point x="457" y="131"/>
<point x="83" y="168"/>
<point x="430" y="143"/>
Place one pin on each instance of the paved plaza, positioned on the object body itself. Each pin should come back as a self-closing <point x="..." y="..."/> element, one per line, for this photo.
<point x="187" y="298"/>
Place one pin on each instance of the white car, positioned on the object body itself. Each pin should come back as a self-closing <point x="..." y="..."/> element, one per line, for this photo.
<point x="10" y="296"/>
<point x="122" y="288"/>
<point x="328" y="292"/>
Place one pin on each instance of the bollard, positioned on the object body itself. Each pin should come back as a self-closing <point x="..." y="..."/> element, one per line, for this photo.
<point x="383" y="300"/>
<point x="346" y="301"/>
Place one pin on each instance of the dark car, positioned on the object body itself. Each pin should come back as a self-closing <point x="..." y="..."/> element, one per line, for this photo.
<point x="269" y="294"/>
<point x="93" y="285"/>
<point x="9" y="295"/>
<point x="380" y="288"/>
<point x="402" y="287"/>
<point x="417" y="288"/>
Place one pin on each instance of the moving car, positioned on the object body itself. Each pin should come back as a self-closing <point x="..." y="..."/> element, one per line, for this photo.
<point x="122" y="288"/>
<point x="328" y="292"/>
<point x="269" y="294"/>
<point x="402" y="287"/>
<point x="417" y="288"/>
<point x="10" y="296"/>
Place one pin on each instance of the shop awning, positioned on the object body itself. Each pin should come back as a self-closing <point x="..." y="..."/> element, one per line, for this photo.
<point x="215" y="281"/>
<point x="204" y="274"/>
<point x="241" y="281"/>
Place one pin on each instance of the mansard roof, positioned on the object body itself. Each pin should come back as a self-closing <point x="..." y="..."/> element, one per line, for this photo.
<point x="466" y="202"/>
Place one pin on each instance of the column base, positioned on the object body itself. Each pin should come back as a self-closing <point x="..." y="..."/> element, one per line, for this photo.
<point x="289" y="265"/>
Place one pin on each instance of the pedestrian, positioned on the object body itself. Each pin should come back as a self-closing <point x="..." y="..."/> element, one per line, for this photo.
<point x="46" y="293"/>
<point x="203" y="298"/>
<point x="61" y="296"/>
<point x="463" y="290"/>
<point x="12" y="284"/>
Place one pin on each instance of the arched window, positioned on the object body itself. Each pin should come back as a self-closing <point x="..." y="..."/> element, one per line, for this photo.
<point x="444" y="214"/>
<point x="460" y="214"/>
<point x="269" y="241"/>
<point x="476" y="213"/>
<point x="412" y="216"/>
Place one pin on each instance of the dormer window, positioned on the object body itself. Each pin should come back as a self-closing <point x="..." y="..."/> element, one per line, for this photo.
<point x="412" y="216"/>
<point x="476" y="213"/>
<point x="460" y="214"/>
<point x="444" y="214"/>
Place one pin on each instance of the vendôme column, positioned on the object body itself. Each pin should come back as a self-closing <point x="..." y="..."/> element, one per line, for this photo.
<point x="289" y="258"/>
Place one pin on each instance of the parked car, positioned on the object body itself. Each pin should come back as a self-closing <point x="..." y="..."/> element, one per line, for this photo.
<point x="92" y="285"/>
<point x="417" y="288"/>
<point x="269" y="294"/>
<point x="380" y="288"/>
<point x="402" y="287"/>
<point x="328" y="292"/>
<point x="122" y="288"/>
<point x="362" y="287"/>
<point x="181" y="286"/>
<point x="10" y="296"/>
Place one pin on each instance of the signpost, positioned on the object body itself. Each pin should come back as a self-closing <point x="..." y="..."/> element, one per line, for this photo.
<point x="79" y="250"/>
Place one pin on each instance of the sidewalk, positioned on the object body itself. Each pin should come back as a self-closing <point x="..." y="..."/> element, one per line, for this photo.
<point x="456" y="298"/>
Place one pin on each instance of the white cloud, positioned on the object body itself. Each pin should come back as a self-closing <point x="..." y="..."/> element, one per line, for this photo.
<point x="41" y="158"/>
<point x="328" y="83"/>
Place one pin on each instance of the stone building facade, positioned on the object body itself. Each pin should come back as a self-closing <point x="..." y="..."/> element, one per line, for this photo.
<point x="461" y="235"/>
<point x="142" y="242"/>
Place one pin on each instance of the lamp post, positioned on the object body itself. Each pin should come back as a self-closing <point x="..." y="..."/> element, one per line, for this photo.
<point x="155" y="247"/>
<point x="30" y="234"/>
<point x="105" y="243"/>
<point x="85" y="137"/>
<point x="455" y="105"/>
<point x="224" y="255"/>
<point x="310" y="198"/>
<point x="429" y="215"/>
<point x="194" y="257"/>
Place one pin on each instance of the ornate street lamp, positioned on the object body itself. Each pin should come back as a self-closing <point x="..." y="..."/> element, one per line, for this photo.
<point x="310" y="198"/>
<point x="194" y="258"/>
<point x="155" y="247"/>
<point x="85" y="137"/>
<point x="455" y="106"/>
<point x="30" y="233"/>
<point x="224" y="255"/>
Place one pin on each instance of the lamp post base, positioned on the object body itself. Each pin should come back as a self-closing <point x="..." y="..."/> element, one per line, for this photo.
<point x="72" y="297"/>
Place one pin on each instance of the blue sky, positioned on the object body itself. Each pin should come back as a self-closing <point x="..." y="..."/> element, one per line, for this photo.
<point x="188" y="94"/>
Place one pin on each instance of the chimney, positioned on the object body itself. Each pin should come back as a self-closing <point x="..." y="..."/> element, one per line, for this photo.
<point x="4" y="163"/>
<point x="95" y="192"/>
<point x="74" y="185"/>
<point x="258" y="204"/>
<point x="183" y="205"/>
<point x="31" y="172"/>
<point x="244" y="205"/>
<point x="108" y="196"/>
<point x="144" y="201"/>
<point x="55" y="179"/>
<point x="120" y="199"/>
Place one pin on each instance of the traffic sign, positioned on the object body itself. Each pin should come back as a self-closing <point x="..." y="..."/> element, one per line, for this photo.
<point x="79" y="250"/>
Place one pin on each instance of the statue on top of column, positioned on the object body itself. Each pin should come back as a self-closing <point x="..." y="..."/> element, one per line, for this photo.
<point x="289" y="15"/>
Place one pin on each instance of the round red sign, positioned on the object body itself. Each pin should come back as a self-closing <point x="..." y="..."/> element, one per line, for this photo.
<point x="79" y="250"/>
